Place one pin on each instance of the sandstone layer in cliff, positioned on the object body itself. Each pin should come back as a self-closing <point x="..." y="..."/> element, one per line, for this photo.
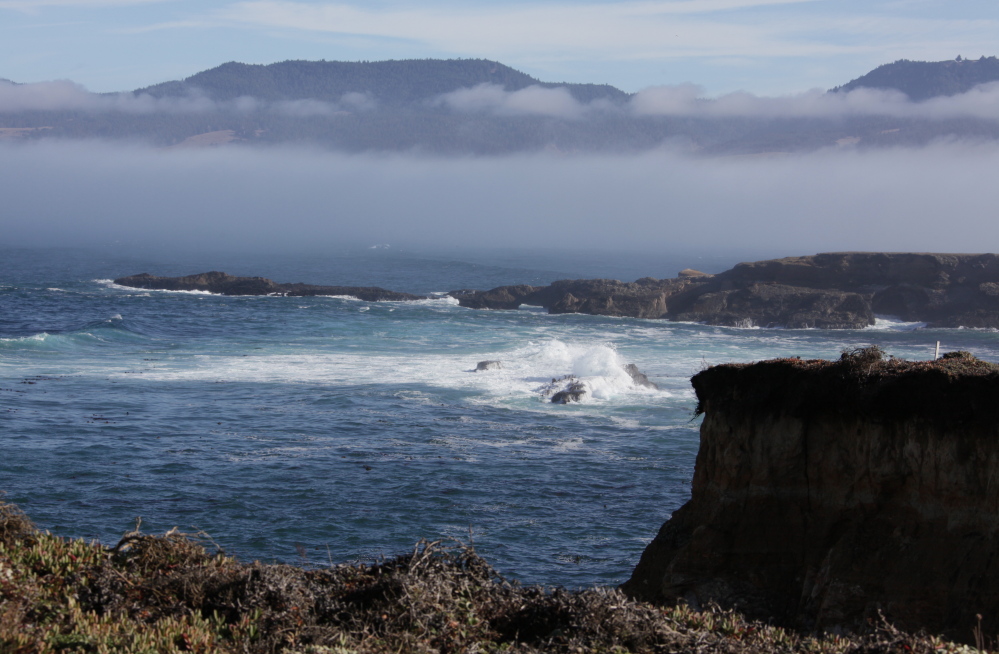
<point x="825" y="492"/>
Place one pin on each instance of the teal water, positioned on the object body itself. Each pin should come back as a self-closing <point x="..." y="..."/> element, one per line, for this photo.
<point x="318" y="429"/>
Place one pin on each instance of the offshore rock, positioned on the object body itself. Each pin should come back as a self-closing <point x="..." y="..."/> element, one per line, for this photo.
<point x="564" y="389"/>
<point x="639" y="378"/>
<point x="224" y="284"/>
<point x="826" y="492"/>
<point x="488" y="365"/>
<point x="829" y="291"/>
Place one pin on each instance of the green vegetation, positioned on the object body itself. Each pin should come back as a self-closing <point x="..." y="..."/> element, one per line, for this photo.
<point x="921" y="80"/>
<point x="956" y="390"/>
<point x="390" y="82"/>
<point x="169" y="594"/>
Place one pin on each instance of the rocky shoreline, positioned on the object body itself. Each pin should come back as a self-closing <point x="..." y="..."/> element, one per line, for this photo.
<point x="225" y="284"/>
<point x="825" y="291"/>
<point x="844" y="290"/>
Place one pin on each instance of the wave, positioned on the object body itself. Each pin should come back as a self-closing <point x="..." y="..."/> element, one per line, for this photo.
<point x="108" y="331"/>
<point x="524" y="370"/>
<point x="894" y="324"/>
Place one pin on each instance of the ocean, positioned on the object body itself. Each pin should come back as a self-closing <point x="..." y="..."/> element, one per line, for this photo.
<point x="326" y="430"/>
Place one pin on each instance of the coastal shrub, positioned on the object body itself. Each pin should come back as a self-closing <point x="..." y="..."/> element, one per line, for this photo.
<point x="171" y="594"/>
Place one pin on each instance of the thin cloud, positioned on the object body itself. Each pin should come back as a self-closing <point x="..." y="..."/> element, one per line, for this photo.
<point x="30" y="5"/>
<point x="533" y="100"/>
<point x="67" y="96"/>
<point x="635" y="30"/>
<point x="687" y="100"/>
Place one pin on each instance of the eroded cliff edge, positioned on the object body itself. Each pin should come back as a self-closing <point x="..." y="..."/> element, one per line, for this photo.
<point x="825" y="492"/>
<point x="840" y="290"/>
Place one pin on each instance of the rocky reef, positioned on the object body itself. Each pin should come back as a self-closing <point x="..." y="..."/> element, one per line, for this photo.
<point x="831" y="291"/>
<point x="827" y="492"/>
<point x="224" y="284"/>
<point x="827" y="291"/>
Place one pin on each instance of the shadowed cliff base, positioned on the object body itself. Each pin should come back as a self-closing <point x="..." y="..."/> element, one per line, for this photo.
<point x="827" y="493"/>
<point x="168" y="594"/>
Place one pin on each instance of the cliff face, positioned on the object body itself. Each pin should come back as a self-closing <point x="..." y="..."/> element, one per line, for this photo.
<point x="830" y="291"/>
<point x="826" y="491"/>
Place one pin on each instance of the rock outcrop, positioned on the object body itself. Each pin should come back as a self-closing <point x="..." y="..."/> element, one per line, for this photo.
<point x="224" y="284"/>
<point x="829" y="291"/>
<point x="825" y="492"/>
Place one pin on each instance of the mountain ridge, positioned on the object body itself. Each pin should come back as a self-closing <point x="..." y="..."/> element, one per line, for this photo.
<point x="483" y="107"/>
<point x="922" y="80"/>
<point x="393" y="81"/>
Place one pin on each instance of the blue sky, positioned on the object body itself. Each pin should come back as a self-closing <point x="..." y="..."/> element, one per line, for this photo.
<point x="767" y="47"/>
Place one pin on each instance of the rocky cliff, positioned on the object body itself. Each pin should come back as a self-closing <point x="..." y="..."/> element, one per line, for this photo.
<point x="224" y="284"/>
<point x="825" y="492"/>
<point x="832" y="291"/>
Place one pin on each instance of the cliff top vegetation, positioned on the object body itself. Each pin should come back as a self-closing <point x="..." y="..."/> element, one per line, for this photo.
<point x="170" y="594"/>
<point x="956" y="389"/>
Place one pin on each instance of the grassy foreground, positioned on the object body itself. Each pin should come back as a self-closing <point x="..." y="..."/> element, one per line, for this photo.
<point x="169" y="594"/>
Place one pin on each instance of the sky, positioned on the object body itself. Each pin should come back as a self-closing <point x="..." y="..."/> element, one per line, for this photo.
<point x="765" y="47"/>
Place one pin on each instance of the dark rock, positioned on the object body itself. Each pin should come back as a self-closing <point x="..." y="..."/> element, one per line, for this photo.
<point x="831" y="291"/>
<point x="827" y="492"/>
<point x="638" y="377"/>
<point x="224" y="284"/>
<point x="488" y="365"/>
<point x="565" y="389"/>
<point x="504" y="297"/>
<point x="574" y="392"/>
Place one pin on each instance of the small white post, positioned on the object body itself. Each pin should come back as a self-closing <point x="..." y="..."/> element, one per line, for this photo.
<point x="936" y="353"/>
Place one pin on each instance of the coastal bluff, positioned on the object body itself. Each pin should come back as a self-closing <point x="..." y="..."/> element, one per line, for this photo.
<point x="827" y="492"/>
<point x="224" y="284"/>
<point x="840" y="290"/>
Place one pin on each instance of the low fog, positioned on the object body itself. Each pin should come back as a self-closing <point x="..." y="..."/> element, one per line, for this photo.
<point x="938" y="198"/>
<point x="680" y="100"/>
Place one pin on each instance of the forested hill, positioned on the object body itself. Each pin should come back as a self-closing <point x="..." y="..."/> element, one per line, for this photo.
<point x="441" y="106"/>
<point x="393" y="83"/>
<point x="921" y="80"/>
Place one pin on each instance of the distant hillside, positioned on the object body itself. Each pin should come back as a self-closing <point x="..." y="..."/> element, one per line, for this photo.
<point x="391" y="83"/>
<point x="398" y="108"/>
<point x="921" y="80"/>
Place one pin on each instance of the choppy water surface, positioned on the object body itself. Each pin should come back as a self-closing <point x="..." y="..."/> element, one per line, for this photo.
<point x="329" y="428"/>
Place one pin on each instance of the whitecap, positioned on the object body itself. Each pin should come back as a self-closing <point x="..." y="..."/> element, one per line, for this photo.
<point x="894" y="324"/>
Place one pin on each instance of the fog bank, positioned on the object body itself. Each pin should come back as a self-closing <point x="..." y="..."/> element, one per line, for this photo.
<point x="938" y="198"/>
<point x="679" y="100"/>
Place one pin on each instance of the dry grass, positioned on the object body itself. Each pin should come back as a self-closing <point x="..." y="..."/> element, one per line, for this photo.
<point x="170" y="594"/>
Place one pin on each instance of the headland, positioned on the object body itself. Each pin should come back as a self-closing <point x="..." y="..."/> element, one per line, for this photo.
<point x="829" y="493"/>
<point x="225" y="284"/>
<point x="844" y="290"/>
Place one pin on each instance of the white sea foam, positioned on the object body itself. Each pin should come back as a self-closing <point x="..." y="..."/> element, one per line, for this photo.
<point x="109" y="283"/>
<point x="600" y="367"/>
<point x="894" y="324"/>
<point x="23" y="339"/>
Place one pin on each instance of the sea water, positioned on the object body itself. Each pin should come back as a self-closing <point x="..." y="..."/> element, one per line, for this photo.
<point x="327" y="429"/>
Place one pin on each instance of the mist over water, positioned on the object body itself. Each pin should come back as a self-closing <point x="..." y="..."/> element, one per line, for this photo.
<point x="936" y="198"/>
